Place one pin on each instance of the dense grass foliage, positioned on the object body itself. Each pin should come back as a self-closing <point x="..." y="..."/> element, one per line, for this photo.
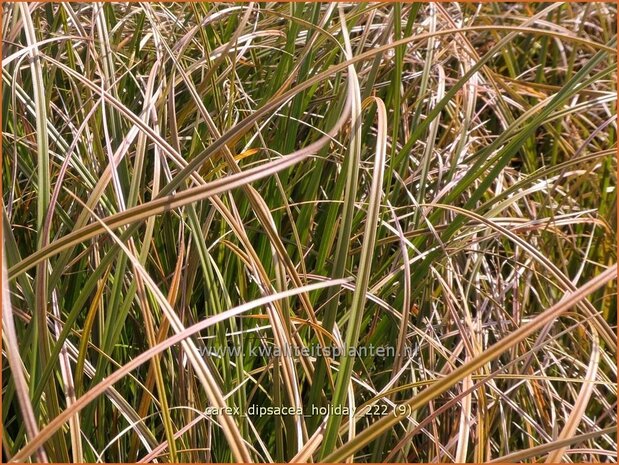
<point x="309" y="232"/>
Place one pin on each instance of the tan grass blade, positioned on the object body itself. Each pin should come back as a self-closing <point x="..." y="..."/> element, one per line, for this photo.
<point x="571" y="424"/>
<point x="9" y="337"/>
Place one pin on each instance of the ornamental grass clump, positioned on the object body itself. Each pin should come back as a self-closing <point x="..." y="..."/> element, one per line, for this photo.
<point x="272" y="232"/>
